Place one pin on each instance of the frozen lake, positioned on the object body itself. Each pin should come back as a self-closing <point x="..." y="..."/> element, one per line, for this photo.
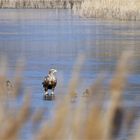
<point x="54" y="38"/>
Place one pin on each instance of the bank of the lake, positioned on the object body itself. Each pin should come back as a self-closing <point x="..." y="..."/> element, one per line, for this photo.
<point x="110" y="9"/>
<point x="40" y="4"/>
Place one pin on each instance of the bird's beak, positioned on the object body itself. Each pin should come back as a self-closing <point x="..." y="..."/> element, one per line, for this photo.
<point x="54" y="71"/>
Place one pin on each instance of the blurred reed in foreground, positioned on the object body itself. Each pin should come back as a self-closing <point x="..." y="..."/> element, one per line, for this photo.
<point x="111" y="9"/>
<point x="90" y="118"/>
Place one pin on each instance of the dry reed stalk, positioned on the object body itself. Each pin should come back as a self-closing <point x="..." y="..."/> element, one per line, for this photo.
<point x="115" y="114"/>
<point x="81" y="120"/>
<point x="13" y="123"/>
<point x="17" y="82"/>
<point x="137" y="135"/>
<point x="37" y="117"/>
<point x="73" y="84"/>
<point x="3" y="66"/>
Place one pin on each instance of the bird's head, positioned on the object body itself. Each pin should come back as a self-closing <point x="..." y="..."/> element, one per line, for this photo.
<point x="52" y="71"/>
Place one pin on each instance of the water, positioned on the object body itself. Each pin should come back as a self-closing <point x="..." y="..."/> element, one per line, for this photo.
<point x="54" y="38"/>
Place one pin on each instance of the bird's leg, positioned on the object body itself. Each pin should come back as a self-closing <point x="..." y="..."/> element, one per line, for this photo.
<point x="52" y="93"/>
<point x="46" y="91"/>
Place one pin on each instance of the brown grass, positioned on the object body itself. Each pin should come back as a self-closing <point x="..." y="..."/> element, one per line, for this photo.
<point x="87" y="119"/>
<point x="111" y="9"/>
<point x="39" y="4"/>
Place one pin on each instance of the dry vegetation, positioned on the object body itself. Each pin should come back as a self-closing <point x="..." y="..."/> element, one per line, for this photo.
<point x="39" y="3"/>
<point x="111" y="9"/>
<point x="86" y="119"/>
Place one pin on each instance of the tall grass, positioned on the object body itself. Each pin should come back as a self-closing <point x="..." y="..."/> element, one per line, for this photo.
<point x="111" y="9"/>
<point x="39" y="3"/>
<point x="88" y="119"/>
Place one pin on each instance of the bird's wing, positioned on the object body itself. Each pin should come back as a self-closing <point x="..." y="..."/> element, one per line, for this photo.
<point x="45" y="81"/>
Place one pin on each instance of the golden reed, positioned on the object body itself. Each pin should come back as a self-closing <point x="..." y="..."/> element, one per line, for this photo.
<point x="88" y="118"/>
<point x="110" y="9"/>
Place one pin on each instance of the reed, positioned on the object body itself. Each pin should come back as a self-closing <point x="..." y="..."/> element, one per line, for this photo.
<point x="88" y="118"/>
<point x="39" y="4"/>
<point x="110" y="9"/>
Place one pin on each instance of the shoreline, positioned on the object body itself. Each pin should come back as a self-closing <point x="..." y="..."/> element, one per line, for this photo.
<point x="122" y="10"/>
<point x="39" y="4"/>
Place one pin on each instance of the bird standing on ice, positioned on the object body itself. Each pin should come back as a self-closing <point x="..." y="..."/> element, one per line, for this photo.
<point x="50" y="82"/>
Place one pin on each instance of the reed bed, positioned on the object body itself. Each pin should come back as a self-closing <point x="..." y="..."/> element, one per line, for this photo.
<point x="39" y="4"/>
<point x="110" y="9"/>
<point x="88" y="118"/>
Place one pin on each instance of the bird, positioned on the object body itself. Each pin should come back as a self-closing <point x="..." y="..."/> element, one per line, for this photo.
<point x="86" y="93"/>
<point x="8" y="84"/>
<point x="50" y="82"/>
